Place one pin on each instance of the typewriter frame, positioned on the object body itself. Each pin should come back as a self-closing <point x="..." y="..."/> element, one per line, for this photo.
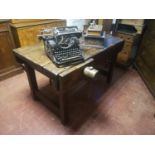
<point x="61" y="42"/>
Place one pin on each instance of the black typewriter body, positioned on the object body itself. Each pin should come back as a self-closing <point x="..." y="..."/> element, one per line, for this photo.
<point x="62" y="46"/>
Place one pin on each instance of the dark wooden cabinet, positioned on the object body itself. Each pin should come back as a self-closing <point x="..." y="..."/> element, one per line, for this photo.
<point x="16" y="33"/>
<point x="145" y="62"/>
<point x="8" y="64"/>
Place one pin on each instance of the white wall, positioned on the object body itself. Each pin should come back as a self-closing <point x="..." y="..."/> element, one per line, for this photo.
<point x="77" y="22"/>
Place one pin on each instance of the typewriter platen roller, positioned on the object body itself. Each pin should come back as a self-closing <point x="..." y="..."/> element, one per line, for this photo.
<point x="62" y="45"/>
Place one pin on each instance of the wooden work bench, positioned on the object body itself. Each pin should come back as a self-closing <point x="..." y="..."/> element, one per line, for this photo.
<point x="34" y="58"/>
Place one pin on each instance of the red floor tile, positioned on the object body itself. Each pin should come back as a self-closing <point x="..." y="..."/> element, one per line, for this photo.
<point x="123" y="107"/>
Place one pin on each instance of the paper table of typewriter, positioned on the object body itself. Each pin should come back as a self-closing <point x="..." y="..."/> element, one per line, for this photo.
<point x="62" y="45"/>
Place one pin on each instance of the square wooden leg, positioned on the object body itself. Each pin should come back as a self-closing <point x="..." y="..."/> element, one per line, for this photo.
<point x="32" y="80"/>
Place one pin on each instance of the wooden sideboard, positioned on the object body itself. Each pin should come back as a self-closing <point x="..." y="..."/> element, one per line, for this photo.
<point x="8" y="64"/>
<point x="18" y="33"/>
<point x="25" y="31"/>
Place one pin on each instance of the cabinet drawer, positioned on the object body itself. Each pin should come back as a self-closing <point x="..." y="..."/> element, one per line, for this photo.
<point x="125" y="52"/>
<point x="126" y="37"/>
<point x="122" y="57"/>
<point x="127" y="48"/>
<point x="75" y="74"/>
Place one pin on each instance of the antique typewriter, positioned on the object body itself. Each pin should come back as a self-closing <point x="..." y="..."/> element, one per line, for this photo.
<point x="62" y="45"/>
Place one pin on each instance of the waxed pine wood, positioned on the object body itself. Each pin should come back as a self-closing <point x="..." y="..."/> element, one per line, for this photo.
<point x="25" y="32"/>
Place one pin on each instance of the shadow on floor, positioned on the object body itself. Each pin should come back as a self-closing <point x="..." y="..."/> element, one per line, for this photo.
<point x="84" y="100"/>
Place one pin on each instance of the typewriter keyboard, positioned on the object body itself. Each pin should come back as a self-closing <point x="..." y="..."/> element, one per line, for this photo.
<point x="68" y="56"/>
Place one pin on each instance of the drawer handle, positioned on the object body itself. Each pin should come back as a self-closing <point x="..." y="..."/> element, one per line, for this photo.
<point x="90" y="72"/>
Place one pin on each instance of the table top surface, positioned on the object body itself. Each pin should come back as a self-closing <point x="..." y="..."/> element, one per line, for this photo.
<point x="36" y="55"/>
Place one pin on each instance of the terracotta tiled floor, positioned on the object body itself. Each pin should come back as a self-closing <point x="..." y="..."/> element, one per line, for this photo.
<point x="123" y="107"/>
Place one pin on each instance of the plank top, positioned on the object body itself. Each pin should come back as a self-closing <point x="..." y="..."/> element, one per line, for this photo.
<point x="36" y="55"/>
